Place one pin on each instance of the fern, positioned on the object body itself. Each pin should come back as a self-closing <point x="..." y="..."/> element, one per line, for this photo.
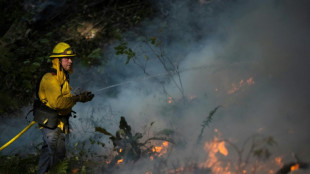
<point x="60" y="168"/>
<point x="206" y="122"/>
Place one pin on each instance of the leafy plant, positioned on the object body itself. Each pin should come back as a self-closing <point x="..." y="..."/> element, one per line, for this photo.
<point x="206" y="122"/>
<point x="131" y="147"/>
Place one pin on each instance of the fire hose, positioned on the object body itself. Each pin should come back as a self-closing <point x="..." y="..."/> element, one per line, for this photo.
<point x="111" y="86"/>
<point x="17" y="136"/>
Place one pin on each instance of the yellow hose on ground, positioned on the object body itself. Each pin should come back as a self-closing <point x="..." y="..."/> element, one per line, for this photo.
<point x="17" y="136"/>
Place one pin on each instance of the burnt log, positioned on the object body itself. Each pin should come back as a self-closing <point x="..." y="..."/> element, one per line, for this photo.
<point x="287" y="168"/>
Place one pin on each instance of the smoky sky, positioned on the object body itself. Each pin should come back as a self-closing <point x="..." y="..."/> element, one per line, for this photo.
<point x="233" y="42"/>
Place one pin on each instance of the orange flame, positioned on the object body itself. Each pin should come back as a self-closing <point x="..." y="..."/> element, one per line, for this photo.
<point x="236" y="87"/>
<point x="222" y="148"/>
<point x="295" y="167"/>
<point x="161" y="150"/>
<point x="120" y="161"/>
<point x="213" y="148"/>
<point x="278" y="161"/>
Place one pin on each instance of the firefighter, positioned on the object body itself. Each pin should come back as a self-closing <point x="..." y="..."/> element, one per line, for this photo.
<point x="53" y="106"/>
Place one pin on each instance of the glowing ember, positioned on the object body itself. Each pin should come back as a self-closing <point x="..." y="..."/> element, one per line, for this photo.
<point x="192" y="97"/>
<point x="165" y="143"/>
<point x="120" y="161"/>
<point x="295" y="167"/>
<point x="157" y="149"/>
<point x="170" y="100"/>
<point x="75" y="171"/>
<point x="161" y="149"/>
<point x="250" y="81"/>
<point x="242" y="83"/>
<point x="278" y="161"/>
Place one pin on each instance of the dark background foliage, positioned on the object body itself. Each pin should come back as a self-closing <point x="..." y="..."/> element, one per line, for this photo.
<point x="30" y="29"/>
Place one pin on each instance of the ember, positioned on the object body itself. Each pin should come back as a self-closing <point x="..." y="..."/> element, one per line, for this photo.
<point x="170" y="100"/>
<point x="120" y="161"/>
<point x="295" y="167"/>
<point x="278" y="161"/>
<point x="236" y="87"/>
<point x="160" y="150"/>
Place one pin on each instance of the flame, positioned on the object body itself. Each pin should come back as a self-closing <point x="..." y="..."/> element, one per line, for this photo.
<point x="222" y="148"/>
<point x="161" y="149"/>
<point x="120" y="150"/>
<point x="213" y="148"/>
<point x="177" y="171"/>
<point x="120" y="161"/>
<point x="170" y="100"/>
<point x="278" y="161"/>
<point x="165" y="143"/>
<point x="242" y="83"/>
<point x="250" y="81"/>
<point x="295" y="167"/>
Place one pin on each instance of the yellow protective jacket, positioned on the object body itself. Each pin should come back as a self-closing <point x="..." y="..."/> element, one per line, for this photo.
<point x="55" y="92"/>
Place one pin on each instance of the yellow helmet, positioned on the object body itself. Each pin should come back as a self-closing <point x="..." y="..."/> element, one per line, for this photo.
<point x="62" y="50"/>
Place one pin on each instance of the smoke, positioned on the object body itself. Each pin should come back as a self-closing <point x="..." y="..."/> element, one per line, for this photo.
<point x="250" y="57"/>
<point x="222" y="45"/>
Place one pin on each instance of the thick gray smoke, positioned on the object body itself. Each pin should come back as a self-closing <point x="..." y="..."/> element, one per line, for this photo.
<point x="253" y="60"/>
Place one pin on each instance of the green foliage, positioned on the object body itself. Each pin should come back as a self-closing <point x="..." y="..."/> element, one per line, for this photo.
<point x="209" y="118"/>
<point x="29" y="33"/>
<point x="206" y="122"/>
<point x="102" y="130"/>
<point x="122" y="49"/>
<point x="60" y="168"/>
<point x="94" y="56"/>
<point x="16" y="164"/>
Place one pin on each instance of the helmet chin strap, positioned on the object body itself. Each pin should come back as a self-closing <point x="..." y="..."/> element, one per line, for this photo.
<point x="60" y="64"/>
<point x="62" y="69"/>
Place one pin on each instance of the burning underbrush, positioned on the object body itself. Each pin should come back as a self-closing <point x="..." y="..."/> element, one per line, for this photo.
<point x="164" y="152"/>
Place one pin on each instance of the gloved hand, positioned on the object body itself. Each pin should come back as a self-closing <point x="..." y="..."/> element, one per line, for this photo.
<point x="84" y="96"/>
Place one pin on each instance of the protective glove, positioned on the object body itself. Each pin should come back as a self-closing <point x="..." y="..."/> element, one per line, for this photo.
<point x="84" y="96"/>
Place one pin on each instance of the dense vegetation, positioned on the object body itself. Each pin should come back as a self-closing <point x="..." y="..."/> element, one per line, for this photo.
<point x="30" y="29"/>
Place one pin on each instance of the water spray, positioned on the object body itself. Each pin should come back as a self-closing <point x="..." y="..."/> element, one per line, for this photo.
<point x="169" y="73"/>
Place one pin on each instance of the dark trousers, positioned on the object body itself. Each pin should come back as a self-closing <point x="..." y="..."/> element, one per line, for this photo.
<point x="53" y="149"/>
